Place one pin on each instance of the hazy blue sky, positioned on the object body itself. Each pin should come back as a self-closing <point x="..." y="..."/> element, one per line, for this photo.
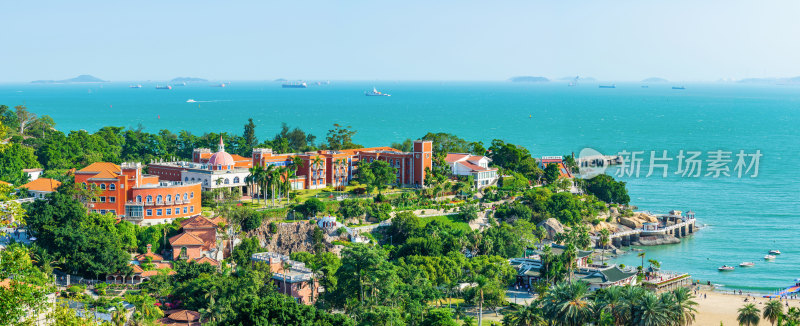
<point x="399" y="40"/>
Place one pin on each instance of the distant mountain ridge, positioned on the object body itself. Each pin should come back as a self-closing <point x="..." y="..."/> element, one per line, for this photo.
<point x="785" y="80"/>
<point x="79" y="79"/>
<point x="187" y="80"/>
<point x="655" y="80"/>
<point x="529" y="79"/>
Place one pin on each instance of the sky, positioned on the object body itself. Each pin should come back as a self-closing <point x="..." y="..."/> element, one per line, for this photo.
<point x="398" y="40"/>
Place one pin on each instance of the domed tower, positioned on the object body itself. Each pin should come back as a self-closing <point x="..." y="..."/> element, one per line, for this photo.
<point x="221" y="160"/>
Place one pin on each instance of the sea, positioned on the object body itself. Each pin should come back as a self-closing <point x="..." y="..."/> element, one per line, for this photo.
<point x="744" y="217"/>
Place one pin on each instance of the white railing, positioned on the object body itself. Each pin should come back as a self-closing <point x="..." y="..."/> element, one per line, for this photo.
<point x="647" y="231"/>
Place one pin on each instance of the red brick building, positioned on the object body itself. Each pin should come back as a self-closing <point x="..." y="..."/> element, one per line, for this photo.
<point x="299" y="281"/>
<point x="198" y="239"/>
<point x="137" y="197"/>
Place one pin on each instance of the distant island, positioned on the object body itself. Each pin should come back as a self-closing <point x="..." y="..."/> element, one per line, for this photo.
<point x="281" y="80"/>
<point x="786" y="80"/>
<point x="79" y="79"/>
<point x="655" y="80"/>
<point x="529" y="79"/>
<point x="187" y="80"/>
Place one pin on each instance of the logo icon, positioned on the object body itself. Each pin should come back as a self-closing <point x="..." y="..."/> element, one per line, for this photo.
<point x="591" y="163"/>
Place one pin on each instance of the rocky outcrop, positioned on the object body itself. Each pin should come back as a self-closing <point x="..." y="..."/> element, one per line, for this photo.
<point x="552" y="226"/>
<point x="293" y="237"/>
<point x="656" y="240"/>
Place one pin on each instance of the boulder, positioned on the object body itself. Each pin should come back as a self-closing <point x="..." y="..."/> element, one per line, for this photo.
<point x="552" y="226"/>
<point x="644" y="217"/>
<point x="632" y="223"/>
<point x="657" y="240"/>
<point x="613" y="211"/>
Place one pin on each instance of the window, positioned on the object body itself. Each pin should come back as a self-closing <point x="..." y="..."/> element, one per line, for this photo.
<point x="112" y="199"/>
<point x="103" y="186"/>
<point x="102" y="199"/>
<point x="112" y="186"/>
<point x="185" y="178"/>
<point x="177" y="197"/>
<point x="191" y="195"/>
<point x="113" y="212"/>
<point x="149" y="212"/>
<point x="159" y="211"/>
<point x="185" y="210"/>
<point x="149" y="198"/>
<point x="139" y="198"/>
<point x="159" y="199"/>
<point x="169" y="198"/>
<point x="169" y="211"/>
<point x="185" y="196"/>
<point x="102" y="212"/>
<point x="227" y="181"/>
<point x="177" y="210"/>
<point x="94" y="211"/>
<point x="191" y="209"/>
<point x="219" y="166"/>
<point x="84" y="185"/>
<point x="236" y="180"/>
<point x="94" y="199"/>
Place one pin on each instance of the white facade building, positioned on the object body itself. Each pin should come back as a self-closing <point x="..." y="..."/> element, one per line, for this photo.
<point x="477" y="166"/>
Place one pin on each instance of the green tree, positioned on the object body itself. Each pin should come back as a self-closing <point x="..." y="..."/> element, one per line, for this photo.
<point x="772" y="311"/>
<point x="341" y="137"/>
<point x="551" y="173"/>
<point x="439" y="317"/>
<point x="605" y="188"/>
<point x="249" y="136"/>
<point x="311" y="207"/>
<point x="246" y="248"/>
<point x="748" y="315"/>
<point x="27" y="286"/>
<point x="567" y="304"/>
<point x="384" y="174"/>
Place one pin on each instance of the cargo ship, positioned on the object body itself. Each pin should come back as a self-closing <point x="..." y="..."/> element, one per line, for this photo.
<point x="678" y="87"/>
<point x="136" y="86"/>
<point x="375" y="92"/>
<point x="295" y="85"/>
<point x="608" y="86"/>
<point x="163" y="87"/>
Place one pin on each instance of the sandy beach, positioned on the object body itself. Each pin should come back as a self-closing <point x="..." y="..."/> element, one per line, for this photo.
<point x="718" y="307"/>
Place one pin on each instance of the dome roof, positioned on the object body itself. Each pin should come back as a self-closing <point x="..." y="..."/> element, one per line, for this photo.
<point x="221" y="158"/>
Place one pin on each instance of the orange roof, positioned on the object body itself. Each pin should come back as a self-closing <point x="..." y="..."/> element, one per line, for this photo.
<point x="197" y="222"/>
<point x="239" y="158"/>
<point x="4" y="183"/>
<point x="184" y="315"/>
<point x="185" y="239"/>
<point x="137" y="269"/>
<point x="42" y="184"/>
<point x="105" y="175"/>
<point x="217" y="220"/>
<point x="207" y="259"/>
<point x="100" y="167"/>
<point x="154" y="256"/>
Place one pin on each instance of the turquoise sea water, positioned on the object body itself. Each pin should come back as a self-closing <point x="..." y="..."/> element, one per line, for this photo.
<point x="747" y="216"/>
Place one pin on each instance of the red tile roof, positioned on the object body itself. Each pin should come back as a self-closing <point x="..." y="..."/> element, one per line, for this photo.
<point x="198" y="222"/>
<point x="453" y="157"/>
<point x="206" y="259"/>
<point x="100" y="167"/>
<point x="185" y="239"/>
<point x="42" y="184"/>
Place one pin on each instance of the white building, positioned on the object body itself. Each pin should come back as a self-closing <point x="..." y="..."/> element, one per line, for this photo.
<point x="464" y="164"/>
<point x="220" y="170"/>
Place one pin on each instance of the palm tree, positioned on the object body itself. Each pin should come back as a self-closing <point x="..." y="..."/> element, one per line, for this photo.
<point x="604" y="240"/>
<point x="268" y="181"/>
<point x="285" y="266"/>
<point x="684" y="305"/>
<point x="519" y="315"/>
<point x="468" y="321"/>
<point x="641" y="254"/>
<point x="257" y="174"/>
<point x="748" y="315"/>
<point x="249" y="181"/>
<point x="772" y="310"/>
<point x="654" y="263"/>
<point x="611" y="301"/>
<point x="568" y="304"/>
<point x="481" y="283"/>
<point x="652" y="310"/>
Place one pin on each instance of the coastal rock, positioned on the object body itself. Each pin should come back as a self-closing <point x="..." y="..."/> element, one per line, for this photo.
<point x="630" y="222"/>
<point x="552" y="226"/>
<point x="604" y="225"/>
<point x="656" y="240"/>
<point x="613" y="211"/>
<point x="644" y="217"/>
<point x="292" y="237"/>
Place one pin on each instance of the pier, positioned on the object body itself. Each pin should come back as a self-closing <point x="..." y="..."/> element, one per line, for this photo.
<point x="673" y="224"/>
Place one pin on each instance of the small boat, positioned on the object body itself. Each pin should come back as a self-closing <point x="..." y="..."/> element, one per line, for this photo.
<point x="609" y="86"/>
<point x="725" y="268"/>
<point x="747" y="264"/>
<point x="769" y="257"/>
<point x="375" y="92"/>
<point x="645" y="86"/>
<point x="678" y="87"/>
<point x="191" y="101"/>
<point x="774" y="252"/>
<point x="136" y="86"/>
<point x="163" y="87"/>
<point x="219" y="85"/>
<point x="295" y="85"/>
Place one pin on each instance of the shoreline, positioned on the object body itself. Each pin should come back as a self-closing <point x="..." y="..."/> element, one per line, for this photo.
<point x="715" y="307"/>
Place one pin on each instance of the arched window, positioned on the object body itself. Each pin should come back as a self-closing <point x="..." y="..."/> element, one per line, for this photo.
<point x="103" y="186"/>
<point x="139" y="199"/>
<point x="185" y="178"/>
<point x="183" y="254"/>
<point x="111" y="186"/>
<point x="149" y="198"/>
<point x="185" y="196"/>
<point x="169" y="198"/>
<point x="236" y="180"/>
<point x="84" y="185"/>
<point x="219" y="166"/>
<point x="159" y="199"/>
<point x="227" y="181"/>
<point x="177" y="197"/>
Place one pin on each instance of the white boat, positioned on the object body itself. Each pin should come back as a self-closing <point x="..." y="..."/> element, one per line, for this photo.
<point x="769" y="257"/>
<point x="725" y="268"/>
<point x="190" y="101"/>
<point x="747" y="264"/>
<point x="375" y="92"/>
<point x="774" y="252"/>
